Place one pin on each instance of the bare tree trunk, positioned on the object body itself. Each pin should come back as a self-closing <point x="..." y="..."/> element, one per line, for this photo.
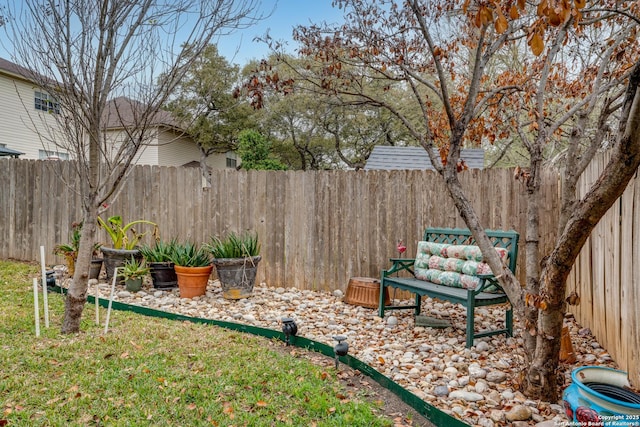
<point x="77" y="292"/>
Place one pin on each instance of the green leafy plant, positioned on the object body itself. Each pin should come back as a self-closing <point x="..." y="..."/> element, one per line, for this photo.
<point x="190" y="255"/>
<point x="125" y="236"/>
<point x="161" y="251"/>
<point x="235" y="245"/>
<point x="134" y="269"/>
<point x="70" y="250"/>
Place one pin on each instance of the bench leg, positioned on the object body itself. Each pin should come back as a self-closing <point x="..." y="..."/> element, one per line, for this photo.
<point x="509" y="322"/>
<point x="381" y="300"/>
<point x="471" y="308"/>
<point x="418" y="304"/>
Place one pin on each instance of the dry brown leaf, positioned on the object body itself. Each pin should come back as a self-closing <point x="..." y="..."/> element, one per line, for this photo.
<point x="261" y="404"/>
<point x="501" y="24"/>
<point x="537" y="44"/>
<point x="124" y="355"/>
<point x="137" y="347"/>
<point x="191" y="406"/>
<point x="513" y="12"/>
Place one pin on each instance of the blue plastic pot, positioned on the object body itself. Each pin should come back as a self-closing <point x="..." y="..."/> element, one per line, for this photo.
<point x="601" y="396"/>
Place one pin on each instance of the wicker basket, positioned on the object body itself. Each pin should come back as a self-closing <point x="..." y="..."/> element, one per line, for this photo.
<point x="365" y="291"/>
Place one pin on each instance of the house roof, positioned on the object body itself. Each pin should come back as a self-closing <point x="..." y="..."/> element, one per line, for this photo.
<point x="386" y="157"/>
<point x="123" y="111"/>
<point x="4" y="152"/>
<point x="14" y="69"/>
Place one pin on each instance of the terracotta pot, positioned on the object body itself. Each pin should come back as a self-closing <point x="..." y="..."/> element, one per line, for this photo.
<point x="192" y="281"/>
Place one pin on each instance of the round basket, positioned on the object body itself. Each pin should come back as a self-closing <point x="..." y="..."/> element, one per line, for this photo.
<point x="365" y="292"/>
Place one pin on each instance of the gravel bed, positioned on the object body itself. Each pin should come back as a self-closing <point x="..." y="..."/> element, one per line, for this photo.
<point x="478" y="385"/>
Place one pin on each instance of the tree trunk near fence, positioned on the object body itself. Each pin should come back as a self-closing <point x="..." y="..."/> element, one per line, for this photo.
<point x="77" y="292"/>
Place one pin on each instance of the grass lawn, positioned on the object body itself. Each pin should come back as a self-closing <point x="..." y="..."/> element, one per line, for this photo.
<point x="155" y="372"/>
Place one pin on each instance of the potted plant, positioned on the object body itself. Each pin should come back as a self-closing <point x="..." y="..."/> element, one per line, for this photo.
<point x="158" y="257"/>
<point x="193" y="268"/>
<point x="133" y="272"/>
<point x="236" y="260"/>
<point x="70" y="252"/>
<point x="125" y="241"/>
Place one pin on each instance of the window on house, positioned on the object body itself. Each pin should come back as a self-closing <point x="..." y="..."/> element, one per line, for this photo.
<point x="46" y="102"/>
<point x="52" y="155"/>
<point x="231" y="162"/>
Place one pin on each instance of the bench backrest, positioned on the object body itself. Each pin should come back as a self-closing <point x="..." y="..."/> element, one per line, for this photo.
<point x="461" y="236"/>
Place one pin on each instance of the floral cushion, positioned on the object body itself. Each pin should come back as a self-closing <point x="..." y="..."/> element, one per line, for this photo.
<point x="452" y="265"/>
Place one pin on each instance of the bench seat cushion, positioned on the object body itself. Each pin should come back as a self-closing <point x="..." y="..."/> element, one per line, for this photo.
<point x="452" y="265"/>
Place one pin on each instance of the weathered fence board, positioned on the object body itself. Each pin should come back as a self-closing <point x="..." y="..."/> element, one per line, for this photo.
<point x="318" y="229"/>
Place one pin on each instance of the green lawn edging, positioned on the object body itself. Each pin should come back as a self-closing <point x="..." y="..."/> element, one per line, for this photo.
<point x="430" y="412"/>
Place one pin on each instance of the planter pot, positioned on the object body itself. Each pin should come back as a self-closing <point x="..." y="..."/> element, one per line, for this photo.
<point x="192" y="281"/>
<point x="96" y="267"/>
<point x="600" y="396"/>
<point x="133" y="285"/>
<point x="114" y="258"/>
<point x="163" y="275"/>
<point x="237" y="276"/>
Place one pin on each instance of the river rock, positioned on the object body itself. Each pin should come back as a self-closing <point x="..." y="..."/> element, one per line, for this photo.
<point x="469" y="396"/>
<point x="518" y="413"/>
<point x="496" y="376"/>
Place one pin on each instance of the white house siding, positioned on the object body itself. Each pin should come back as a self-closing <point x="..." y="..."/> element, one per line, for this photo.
<point x="20" y="123"/>
<point x="176" y="150"/>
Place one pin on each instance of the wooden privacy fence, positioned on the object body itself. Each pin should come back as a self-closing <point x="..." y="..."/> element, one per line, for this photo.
<point x="606" y="276"/>
<point x="317" y="229"/>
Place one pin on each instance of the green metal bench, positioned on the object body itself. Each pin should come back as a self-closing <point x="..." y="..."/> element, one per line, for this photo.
<point x="470" y="298"/>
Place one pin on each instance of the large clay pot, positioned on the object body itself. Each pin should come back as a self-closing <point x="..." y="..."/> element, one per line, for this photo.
<point x="237" y="276"/>
<point x="114" y="258"/>
<point x="192" y="281"/>
<point x="163" y="275"/>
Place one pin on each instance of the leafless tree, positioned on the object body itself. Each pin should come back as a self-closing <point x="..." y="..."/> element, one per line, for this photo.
<point x="100" y="62"/>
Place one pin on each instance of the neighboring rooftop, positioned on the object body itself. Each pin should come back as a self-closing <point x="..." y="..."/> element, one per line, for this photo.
<point x="386" y="157"/>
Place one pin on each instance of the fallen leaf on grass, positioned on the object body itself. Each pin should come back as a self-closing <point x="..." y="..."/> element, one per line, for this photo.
<point x="137" y="347"/>
<point x="261" y="404"/>
<point x="191" y="406"/>
<point x="124" y="355"/>
<point x="228" y="409"/>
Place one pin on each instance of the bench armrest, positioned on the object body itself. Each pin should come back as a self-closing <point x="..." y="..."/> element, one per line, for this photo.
<point x="399" y="264"/>
<point x="487" y="280"/>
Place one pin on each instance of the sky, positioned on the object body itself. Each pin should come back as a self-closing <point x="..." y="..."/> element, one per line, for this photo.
<point x="240" y="48"/>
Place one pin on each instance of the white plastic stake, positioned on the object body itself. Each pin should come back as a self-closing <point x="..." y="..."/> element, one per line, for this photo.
<point x="113" y="291"/>
<point x="35" y="306"/>
<point x="45" y="299"/>
<point x="97" y="304"/>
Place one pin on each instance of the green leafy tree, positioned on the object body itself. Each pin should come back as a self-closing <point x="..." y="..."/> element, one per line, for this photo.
<point x="255" y="151"/>
<point x="204" y="102"/>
